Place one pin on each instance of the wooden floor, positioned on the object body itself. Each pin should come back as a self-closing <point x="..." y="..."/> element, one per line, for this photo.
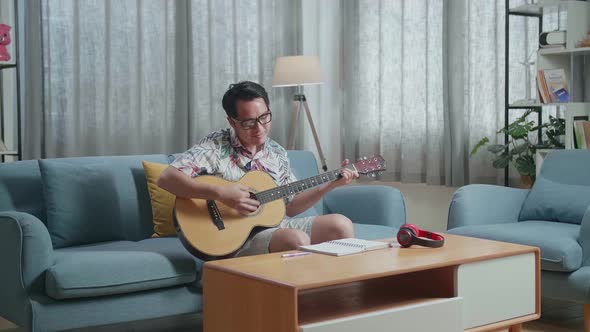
<point x="557" y="317"/>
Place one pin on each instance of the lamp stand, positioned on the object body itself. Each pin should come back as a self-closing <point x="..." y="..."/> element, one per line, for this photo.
<point x="298" y="100"/>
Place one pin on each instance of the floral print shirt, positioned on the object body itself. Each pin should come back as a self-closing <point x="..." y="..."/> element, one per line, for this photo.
<point x="221" y="153"/>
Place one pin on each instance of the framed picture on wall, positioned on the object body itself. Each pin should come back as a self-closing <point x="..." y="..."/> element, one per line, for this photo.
<point x="7" y="33"/>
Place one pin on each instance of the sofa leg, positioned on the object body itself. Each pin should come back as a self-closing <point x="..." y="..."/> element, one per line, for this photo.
<point x="515" y="328"/>
<point x="586" y="317"/>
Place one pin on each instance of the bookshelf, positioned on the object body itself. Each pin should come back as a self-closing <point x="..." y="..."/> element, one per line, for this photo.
<point x="10" y="108"/>
<point x="570" y="59"/>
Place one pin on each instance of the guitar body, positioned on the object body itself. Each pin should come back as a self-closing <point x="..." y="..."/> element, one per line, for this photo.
<point x="200" y="235"/>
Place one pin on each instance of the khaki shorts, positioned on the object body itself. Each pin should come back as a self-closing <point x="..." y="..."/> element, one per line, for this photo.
<point x="258" y="243"/>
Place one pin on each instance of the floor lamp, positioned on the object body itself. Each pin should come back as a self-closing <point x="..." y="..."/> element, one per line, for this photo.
<point x="299" y="71"/>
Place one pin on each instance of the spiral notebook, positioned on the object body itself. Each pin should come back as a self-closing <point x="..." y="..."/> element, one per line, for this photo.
<point x="344" y="246"/>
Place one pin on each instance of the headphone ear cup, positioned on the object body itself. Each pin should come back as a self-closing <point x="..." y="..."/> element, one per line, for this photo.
<point x="406" y="235"/>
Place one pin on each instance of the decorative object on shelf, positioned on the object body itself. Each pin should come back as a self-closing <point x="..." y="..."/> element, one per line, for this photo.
<point x="4" y="41"/>
<point x="553" y="86"/>
<point x="519" y="150"/>
<point x="527" y="63"/>
<point x="299" y="71"/>
<point x="552" y="39"/>
<point x="584" y="42"/>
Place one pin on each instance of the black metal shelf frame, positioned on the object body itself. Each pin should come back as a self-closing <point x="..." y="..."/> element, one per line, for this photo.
<point x="15" y="66"/>
<point x="507" y="106"/>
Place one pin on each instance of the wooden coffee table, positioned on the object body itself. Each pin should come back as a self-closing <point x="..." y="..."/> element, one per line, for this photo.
<point x="469" y="284"/>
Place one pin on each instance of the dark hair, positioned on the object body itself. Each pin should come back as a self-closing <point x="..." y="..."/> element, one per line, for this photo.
<point x="246" y="91"/>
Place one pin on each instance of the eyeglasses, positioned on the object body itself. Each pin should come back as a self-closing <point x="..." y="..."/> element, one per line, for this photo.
<point x="251" y="123"/>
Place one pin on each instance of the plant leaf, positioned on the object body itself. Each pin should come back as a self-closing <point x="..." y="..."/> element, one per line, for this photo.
<point x="518" y="131"/>
<point x="496" y="148"/>
<point x="502" y="161"/>
<point x="520" y="149"/>
<point x="479" y="144"/>
<point x="525" y="165"/>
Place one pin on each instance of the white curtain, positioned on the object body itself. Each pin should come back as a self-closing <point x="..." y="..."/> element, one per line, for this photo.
<point x="424" y="81"/>
<point x="132" y="77"/>
<point x="418" y="81"/>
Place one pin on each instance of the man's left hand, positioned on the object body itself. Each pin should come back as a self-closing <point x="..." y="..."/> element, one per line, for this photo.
<point x="347" y="175"/>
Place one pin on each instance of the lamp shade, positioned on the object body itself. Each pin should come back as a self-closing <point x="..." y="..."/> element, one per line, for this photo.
<point x="297" y="70"/>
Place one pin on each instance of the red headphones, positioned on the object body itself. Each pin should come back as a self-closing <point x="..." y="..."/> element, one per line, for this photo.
<point x="409" y="235"/>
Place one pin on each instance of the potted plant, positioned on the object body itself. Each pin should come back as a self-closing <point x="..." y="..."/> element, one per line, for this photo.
<point x="520" y="150"/>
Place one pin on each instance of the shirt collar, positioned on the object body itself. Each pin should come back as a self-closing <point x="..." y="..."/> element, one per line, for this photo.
<point x="235" y="143"/>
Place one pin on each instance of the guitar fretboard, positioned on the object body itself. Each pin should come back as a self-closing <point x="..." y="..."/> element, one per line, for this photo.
<point x="297" y="186"/>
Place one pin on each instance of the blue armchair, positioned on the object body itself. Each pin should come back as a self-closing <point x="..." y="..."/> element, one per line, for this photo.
<point x="553" y="215"/>
<point x="115" y="272"/>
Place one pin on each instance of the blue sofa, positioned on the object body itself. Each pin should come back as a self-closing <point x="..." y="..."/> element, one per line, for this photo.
<point x="76" y="246"/>
<point x="553" y="215"/>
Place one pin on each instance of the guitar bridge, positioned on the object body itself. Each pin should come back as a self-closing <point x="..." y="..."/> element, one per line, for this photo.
<point x="215" y="214"/>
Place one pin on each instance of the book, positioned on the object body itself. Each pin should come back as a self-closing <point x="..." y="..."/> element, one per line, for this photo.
<point x="562" y="95"/>
<point x="586" y="125"/>
<point x="542" y="85"/>
<point x="578" y="134"/>
<point x="344" y="247"/>
<point x="3" y="146"/>
<point x="555" y="80"/>
<point x="552" y="38"/>
<point x="551" y="47"/>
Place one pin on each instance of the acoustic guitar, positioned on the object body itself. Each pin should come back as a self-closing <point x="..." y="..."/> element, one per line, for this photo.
<point x="211" y="230"/>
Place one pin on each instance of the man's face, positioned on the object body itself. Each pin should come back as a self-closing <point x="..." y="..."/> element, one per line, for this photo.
<point x="256" y="133"/>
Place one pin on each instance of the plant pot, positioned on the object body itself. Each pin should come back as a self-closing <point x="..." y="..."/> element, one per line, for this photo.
<point x="526" y="182"/>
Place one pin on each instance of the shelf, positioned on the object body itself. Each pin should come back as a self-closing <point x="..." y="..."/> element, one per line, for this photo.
<point x="7" y="65"/>
<point x="9" y="153"/>
<point x="525" y="105"/>
<point x="534" y="10"/>
<point x="575" y="51"/>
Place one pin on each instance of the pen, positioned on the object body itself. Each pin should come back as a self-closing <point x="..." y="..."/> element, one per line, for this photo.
<point x="295" y="254"/>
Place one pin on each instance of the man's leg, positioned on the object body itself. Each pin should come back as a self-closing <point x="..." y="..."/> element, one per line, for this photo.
<point x="331" y="227"/>
<point x="288" y="239"/>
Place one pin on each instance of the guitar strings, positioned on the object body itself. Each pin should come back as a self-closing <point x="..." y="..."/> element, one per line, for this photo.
<point x="296" y="187"/>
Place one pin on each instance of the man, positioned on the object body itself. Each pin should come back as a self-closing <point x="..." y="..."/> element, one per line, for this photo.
<point x="246" y="146"/>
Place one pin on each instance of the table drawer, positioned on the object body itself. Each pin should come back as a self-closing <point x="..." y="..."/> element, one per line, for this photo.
<point x="497" y="289"/>
<point x="442" y="315"/>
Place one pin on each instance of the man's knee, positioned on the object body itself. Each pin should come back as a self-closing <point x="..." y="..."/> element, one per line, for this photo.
<point x="331" y="227"/>
<point x="288" y="239"/>
<point x="342" y="226"/>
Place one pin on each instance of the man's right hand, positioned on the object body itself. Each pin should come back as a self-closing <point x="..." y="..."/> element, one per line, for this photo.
<point x="237" y="196"/>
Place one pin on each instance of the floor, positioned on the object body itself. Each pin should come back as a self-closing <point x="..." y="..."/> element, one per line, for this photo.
<point x="426" y="207"/>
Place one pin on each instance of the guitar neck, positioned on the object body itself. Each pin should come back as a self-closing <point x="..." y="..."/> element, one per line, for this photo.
<point x="297" y="186"/>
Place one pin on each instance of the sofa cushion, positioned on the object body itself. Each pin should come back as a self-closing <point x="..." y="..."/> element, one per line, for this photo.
<point x="560" y="250"/>
<point x="373" y="232"/>
<point x="162" y="201"/>
<point x="304" y="165"/>
<point x="562" y="189"/>
<point x="119" y="267"/>
<point x="82" y="203"/>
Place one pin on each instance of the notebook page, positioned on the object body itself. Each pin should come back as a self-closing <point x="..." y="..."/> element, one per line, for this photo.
<point x="345" y="246"/>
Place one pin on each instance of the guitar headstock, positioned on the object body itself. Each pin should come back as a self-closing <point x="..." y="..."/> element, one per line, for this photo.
<point x="370" y="166"/>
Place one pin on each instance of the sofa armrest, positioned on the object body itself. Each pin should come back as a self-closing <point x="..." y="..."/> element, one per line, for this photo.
<point x="26" y="253"/>
<point x="376" y="205"/>
<point x="481" y="204"/>
<point x="584" y="237"/>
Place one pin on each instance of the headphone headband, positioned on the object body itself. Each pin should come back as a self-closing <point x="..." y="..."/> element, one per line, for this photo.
<point x="409" y="235"/>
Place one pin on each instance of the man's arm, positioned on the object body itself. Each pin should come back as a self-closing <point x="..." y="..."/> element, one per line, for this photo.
<point x="236" y="196"/>
<point x="180" y="184"/>
<point x="305" y="200"/>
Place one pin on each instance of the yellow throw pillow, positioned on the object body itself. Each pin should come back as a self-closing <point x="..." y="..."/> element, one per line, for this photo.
<point x="162" y="201"/>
